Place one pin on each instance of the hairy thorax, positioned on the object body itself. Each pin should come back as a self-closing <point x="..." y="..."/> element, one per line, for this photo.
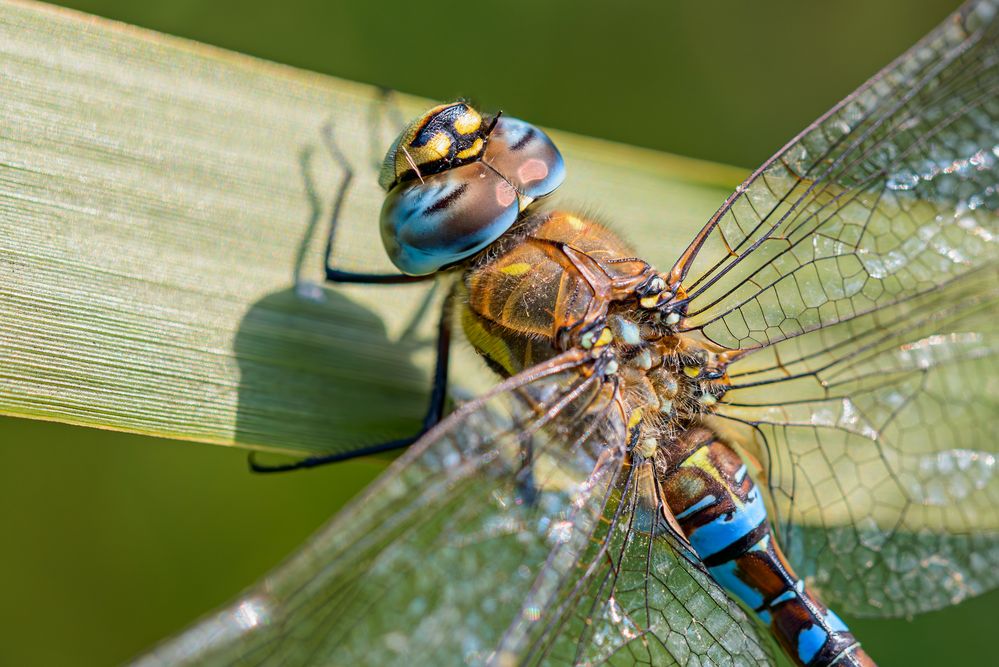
<point x="531" y="296"/>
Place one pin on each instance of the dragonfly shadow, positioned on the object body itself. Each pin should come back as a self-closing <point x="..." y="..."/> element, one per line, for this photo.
<point x="318" y="370"/>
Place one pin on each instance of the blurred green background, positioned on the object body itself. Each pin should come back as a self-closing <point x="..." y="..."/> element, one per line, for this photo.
<point x="113" y="541"/>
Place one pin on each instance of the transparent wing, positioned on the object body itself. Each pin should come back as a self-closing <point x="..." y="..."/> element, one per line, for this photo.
<point x="639" y="599"/>
<point x="451" y="557"/>
<point x="858" y="269"/>
<point x="878" y="438"/>
<point x="889" y="194"/>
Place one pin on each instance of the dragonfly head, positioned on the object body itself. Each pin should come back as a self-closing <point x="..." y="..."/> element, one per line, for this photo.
<point x="447" y="136"/>
<point x="457" y="181"/>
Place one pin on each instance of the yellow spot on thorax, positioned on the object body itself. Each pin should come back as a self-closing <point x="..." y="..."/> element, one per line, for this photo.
<point x="606" y="336"/>
<point x="635" y="418"/>
<point x="649" y="301"/>
<point x="516" y="269"/>
<point x="483" y="340"/>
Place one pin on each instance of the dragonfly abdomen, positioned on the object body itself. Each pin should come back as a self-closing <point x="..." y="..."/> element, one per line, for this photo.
<point x="722" y="513"/>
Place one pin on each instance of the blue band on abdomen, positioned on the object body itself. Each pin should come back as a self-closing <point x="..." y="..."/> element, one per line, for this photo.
<point x="728" y="529"/>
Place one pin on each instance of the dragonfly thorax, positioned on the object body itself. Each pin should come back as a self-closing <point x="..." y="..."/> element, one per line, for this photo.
<point x="560" y="281"/>
<point x="668" y="381"/>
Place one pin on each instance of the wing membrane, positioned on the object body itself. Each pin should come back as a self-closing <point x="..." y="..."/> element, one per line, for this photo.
<point x="513" y="533"/>
<point x="878" y="440"/>
<point x="640" y="600"/>
<point x="451" y="556"/>
<point x="858" y="268"/>
<point x="889" y="194"/>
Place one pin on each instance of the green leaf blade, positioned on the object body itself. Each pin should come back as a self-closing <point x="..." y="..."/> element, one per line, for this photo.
<point x="155" y="198"/>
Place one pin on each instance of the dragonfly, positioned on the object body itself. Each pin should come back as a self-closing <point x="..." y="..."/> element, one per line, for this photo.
<point x="687" y="466"/>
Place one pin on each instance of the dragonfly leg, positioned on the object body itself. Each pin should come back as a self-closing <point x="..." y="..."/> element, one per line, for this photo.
<point x="332" y="273"/>
<point x="435" y="412"/>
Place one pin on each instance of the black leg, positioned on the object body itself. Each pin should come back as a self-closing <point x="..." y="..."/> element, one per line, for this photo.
<point x="336" y="275"/>
<point x="435" y="411"/>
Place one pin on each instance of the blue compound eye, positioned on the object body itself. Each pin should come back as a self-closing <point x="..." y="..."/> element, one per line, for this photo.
<point x="525" y="156"/>
<point x="446" y="217"/>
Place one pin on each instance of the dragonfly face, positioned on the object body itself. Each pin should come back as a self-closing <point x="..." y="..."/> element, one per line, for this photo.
<point x="796" y="383"/>
<point x="456" y="183"/>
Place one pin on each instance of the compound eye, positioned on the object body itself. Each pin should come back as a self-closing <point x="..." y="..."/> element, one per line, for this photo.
<point x="446" y="217"/>
<point x="525" y="156"/>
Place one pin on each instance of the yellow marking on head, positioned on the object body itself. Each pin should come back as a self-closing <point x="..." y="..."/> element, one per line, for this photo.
<point x="649" y="301"/>
<point x="438" y="146"/>
<point x="516" y="269"/>
<point x="691" y="371"/>
<point x="468" y="122"/>
<point x="635" y="418"/>
<point x="605" y="338"/>
<point x="434" y="150"/>
<point x="472" y="150"/>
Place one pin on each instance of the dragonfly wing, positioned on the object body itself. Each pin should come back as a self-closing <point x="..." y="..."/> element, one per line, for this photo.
<point x="639" y="598"/>
<point x="889" y="194"/>
<point x="878" y="438"/>
<point x="857" y="270"/>
<point x="453" y="554"/>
